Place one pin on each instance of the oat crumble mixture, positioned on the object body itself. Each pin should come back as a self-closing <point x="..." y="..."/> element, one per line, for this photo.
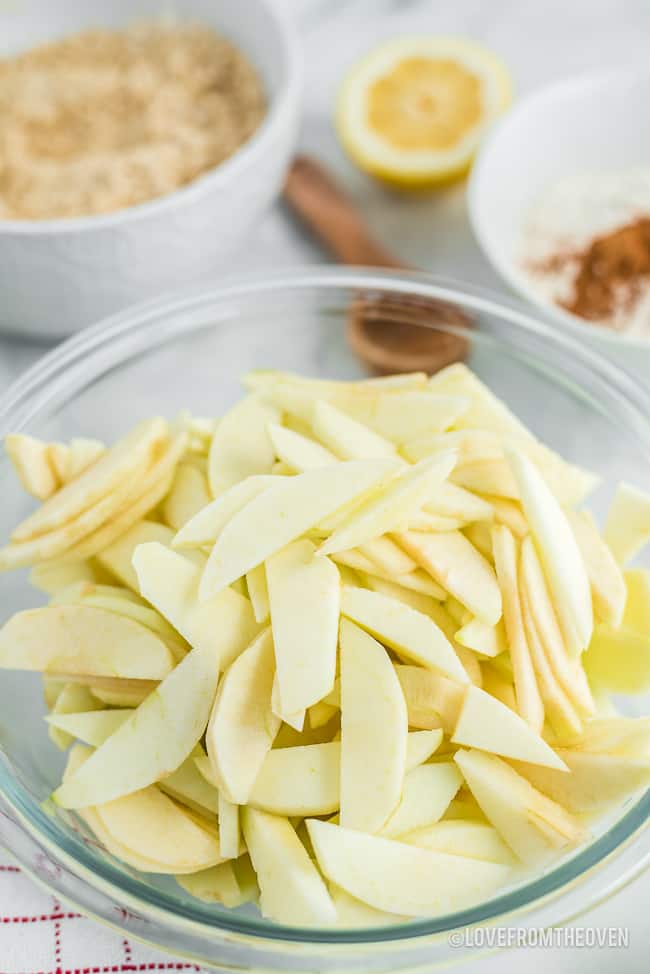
<point x="104" y="120"/>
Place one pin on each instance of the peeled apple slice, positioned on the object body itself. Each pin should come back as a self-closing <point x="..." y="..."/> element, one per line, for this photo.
<point x="352" y="913"/>
<point x="618" y="660"/>
<point x="390" y="510"/>
<point x="432" y="701"/>
<point x="489" y="725"/>
<point x="401" y="878"/>
<point x="628" y="522"/>
<point x="215" y="885"/>
<point x="596" y="781"/>
<point x="411" y="634"/>
<point x="154" y="741"/>
<point x="536" y="828"/>
<point x="32" y="462"/>
<point x="605" y="577"/>
<point x="374" y="731"/>
<point x="206" y="526"/>
<point x="76" y="639"/>
<point x="284" y="512"/>
<point x="242" y="726"/>
<point x="461" y="837"/>
<point x="117" y="557"/>
<point x="427" y="792"/>
<point x="560" y="555"/>
<point x="188" y="495"/>
<point x="292" y="890"/>
<point x="345" y="437"/>
<point x="223" y="626"/>
<point x="298" y="451"/>
<point x="241" y="445"/>
<point x="92" y="727"/>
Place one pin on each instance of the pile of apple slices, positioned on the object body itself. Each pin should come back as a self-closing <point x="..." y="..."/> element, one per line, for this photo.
<point x="345" y="652"/>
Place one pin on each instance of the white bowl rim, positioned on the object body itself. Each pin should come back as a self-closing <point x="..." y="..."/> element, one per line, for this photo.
<point x="585" y="81"/>
<point x="280" y="105"/>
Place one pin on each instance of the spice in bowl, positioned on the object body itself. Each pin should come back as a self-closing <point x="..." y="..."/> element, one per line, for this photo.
<point x="104" y="120"/>
<point x="586" y="248"/>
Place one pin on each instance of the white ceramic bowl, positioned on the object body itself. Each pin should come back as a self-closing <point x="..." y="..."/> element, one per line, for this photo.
<point x="57" y="276"/>
<point x="589" y="122"/>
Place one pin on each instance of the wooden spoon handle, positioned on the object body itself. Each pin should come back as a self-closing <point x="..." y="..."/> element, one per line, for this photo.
<point x="332" y="216"/>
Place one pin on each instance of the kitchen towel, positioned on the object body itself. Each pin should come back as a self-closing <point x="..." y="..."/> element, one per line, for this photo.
<point x="40" y="935"/>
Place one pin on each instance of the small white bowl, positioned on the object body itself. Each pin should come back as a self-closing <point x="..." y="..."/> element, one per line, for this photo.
<point x="57" y="276"/>
<point x="586" y="123"/>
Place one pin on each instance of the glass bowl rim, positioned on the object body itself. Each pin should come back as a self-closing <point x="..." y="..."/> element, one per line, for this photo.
<point x="36" y="823"/>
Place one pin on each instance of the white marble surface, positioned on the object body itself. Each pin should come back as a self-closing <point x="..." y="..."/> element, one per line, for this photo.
<point x="540" y="41"/>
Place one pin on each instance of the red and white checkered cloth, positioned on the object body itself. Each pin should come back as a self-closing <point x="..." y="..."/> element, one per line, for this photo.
<point x="39" y="935"/>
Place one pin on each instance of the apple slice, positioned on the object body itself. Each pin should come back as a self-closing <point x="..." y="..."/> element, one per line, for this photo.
<point x="406" y="414"/>
<point x="352" y="913"/>
<point x="283" y="513"/>
<point x="92" y="727"/>
<point x="123" y="464"/>
<point x="292" y="890"/>
<point x="53" y="576"/>
<point x="461" y="570"/>
<point x="618" y="660"/>
<point x="410" y="633"/>
<point x="529" y="701"/>
<point x="206" y="526"/>
<point x="215" y="885"/>
<point x="509" y="512"/>
<point x="637" y="606"/>
<point x="417" y="582"/>
<point x="492" y="477"/>
<point x="487" y="724"/>
<point x="608" y="589"/>
<point x="452" y="501"/>
<point x="386" y="556"/>
<point x="31" y="459"/>
<point x="569" y="672"/>
<point x="117" y="557"/>
<point x="224" y="625"/>
<point x="427" y="793"/>
<point x="390" y="510"/>
<point x="462" y="837"/>
<point x="188" y="786"/>
<point x="258" y="593"/>
<point x="299" y="452"/>
<point x="229" y="841"/>
<point x="374" y="732"/>
<point x="597" y="781"/>
<point x="629" y="736"/>
<point x="154" y="741"/>
<point x="561" y="559"/>
<point x="345" y="437"/>
<point x="432" y="701"/>
<point x="76" y="639"/>
<point x="71" y="459"/>
<point x="71" y="698"/>
<point x="472" y="445"/>
<point x="242" y="726"/>
<point x="401" y="878"/>
<point x="535" y="827"/>
<point x="480" y="638"/>
<point x="241" y="446"/>
<point x="627" y="528"/>
<point x="160" y="830"/>
<point x="189" y="494"/>
<point x="305" y="599"/>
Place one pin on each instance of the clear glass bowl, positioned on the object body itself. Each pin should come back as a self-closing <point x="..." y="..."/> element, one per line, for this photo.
<point x="189" y="350"/>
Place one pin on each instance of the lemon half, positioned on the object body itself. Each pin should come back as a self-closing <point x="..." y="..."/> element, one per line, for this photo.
<point x="414" y="110"/>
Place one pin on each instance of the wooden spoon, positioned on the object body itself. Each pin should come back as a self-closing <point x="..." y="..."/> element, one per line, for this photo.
<point x="391" y="333"/>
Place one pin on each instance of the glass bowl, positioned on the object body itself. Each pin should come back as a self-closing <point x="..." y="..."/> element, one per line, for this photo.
<point x="188" y="350"/>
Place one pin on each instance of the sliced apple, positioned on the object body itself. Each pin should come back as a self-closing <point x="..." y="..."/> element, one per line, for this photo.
<point x="386" y="556"/>
<point x="374" y="732"/>
<point x="608" y="588"/>
<point x="637" y="606"/>
<point x="390" y="510"/>
<point x="117" y="557"/>
<point x="241" y="446"/>
<point x="292" y="890"/>
<point x="92" y="727"/>
<point x="352" y="913"/>
<point x="461" y="570"/>
<point x="400" y="878"/>
<point x="406" y="414"/>
<point x="499" y="685"/>
<point x="206" y="526"/>
<point x="345" y="437"/>
<point x="455" y="502"/>
<point x="480" y="638"/>
<point x="31" y="459"/>
<point x="417" y="582"/>
<point x="560" y="555"/>
<point x="154" y="741"/>
<point x="71" y="699"/>
<point x="224" y="624"/>
<point x="411" y="634"/>
<point x="215" y="885"/>
<point x="627" y="528"/>
<point x="506" y="556"/>
<point x="569" y="672"/>
<point x="472" y="445"/>
<point x="533" y="826"/>
<point x="299" y="452"/>
<point x="258" y="593"/>
<point x="127" y="460"/>
<point x="480" y="535"/>
<point x="299" y="780"/>
<point x="52" y="577"/>
<point x="427" y="793"/>
<point x="283" y="513"/>
<point x="187" y="785"/>
<point x="189" y="494"/>
<point x="462" y="837"/>
<point x="75" y="639"/>
<point x="596" y="782"/>
<point x="629" y="736"/>
<point x="509" y="512"/>
<point x="492" y="477"/>
<point x="487" y="724"/>
<point x="432" y="701"/>
<point x="242" y="726"/>
<point x="618" y="660"/>
<point x="228" y="828"/>
<point x="71" y="459"/>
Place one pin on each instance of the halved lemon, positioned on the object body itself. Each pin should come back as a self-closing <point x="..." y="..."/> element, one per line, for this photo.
<point x="414" y="110"/>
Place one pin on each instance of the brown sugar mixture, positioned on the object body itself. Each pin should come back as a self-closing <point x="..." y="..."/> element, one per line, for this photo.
<point x="611" y="272"/>
<point x="104" y="120"/>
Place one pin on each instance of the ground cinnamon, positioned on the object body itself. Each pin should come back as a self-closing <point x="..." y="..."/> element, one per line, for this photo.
<point x="611" y="272"/>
